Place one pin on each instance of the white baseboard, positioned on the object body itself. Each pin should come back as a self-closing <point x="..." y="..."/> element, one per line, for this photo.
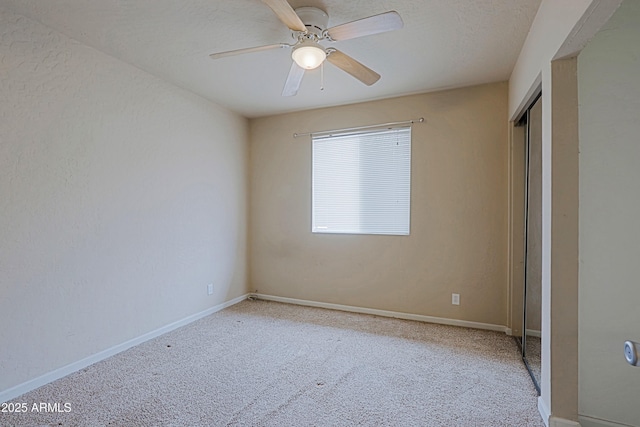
<point x="550" y="420"/>
<point x="533" y="333"/>
<point x="562" y="422"/>
<point x="584" y="421"/>
<point x="27" y="386"/>
<point x="544" y="411"/>
<point x="384" y="313"/>
<point x="595" y="422"/>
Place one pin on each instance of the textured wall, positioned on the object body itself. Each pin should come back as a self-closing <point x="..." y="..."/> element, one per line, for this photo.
<point x="561" y="28"/>
<point x="458" y="214"/>
<point x="460" y="42"/>
<point x="121" y="197"/>
<point x="552" y="25"/>
<point x="609" y="93"/>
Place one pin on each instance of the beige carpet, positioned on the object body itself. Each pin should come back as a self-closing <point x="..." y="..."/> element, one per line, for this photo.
<point x="533" y="353"/>
<point x="262" y="363"/>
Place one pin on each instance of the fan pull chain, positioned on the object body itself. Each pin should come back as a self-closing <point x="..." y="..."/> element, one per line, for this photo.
<point x="322" y="76"/>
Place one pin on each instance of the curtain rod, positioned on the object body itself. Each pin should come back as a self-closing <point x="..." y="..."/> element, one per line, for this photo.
<point x="381" y="125"/>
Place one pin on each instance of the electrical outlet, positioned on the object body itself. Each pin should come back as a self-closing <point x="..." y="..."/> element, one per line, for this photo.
<point x="455" y="299"/>
<point x="210" y="289"/>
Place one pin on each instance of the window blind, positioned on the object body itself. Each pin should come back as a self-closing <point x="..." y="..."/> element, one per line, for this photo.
<point x="362" y="182"/>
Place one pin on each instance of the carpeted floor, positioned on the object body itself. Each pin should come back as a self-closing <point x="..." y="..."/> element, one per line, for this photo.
<point x="262" y="363"/>
<point x="534" y="349"/>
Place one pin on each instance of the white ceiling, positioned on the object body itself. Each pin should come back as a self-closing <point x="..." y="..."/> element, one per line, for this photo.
<point x="444" y="44"/>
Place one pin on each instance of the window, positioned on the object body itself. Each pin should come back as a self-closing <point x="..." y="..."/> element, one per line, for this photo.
<point x="362" y="182"/>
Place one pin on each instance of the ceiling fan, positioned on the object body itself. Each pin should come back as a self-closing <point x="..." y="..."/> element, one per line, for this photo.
<point x="309" y="28"/>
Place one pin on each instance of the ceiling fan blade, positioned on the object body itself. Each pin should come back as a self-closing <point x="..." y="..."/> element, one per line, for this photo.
<point x="294" y="79"/>
<point x="348" y="64"/>
<point x="286" y="14"/>
<point x="387" y="21"/>
<point x="248" y="50"/>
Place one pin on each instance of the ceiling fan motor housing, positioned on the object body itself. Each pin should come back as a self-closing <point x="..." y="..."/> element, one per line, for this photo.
<point x="309" y="27"/>
<point x="316" y="20"/>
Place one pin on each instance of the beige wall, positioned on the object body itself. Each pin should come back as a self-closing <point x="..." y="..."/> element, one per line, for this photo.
<point x="458" y="240"/>
<point x="560" y="239"/>
<point x="552" y="27"/>
<point x="560" y="30"/>
<point x="121" y="198"/>
<point x="609" y="93"/>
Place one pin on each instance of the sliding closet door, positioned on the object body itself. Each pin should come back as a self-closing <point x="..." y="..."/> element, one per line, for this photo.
<point x="533" y="237"/>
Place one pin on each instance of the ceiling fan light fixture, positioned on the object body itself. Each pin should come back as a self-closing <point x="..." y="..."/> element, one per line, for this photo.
<point x="309" y="55"/>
